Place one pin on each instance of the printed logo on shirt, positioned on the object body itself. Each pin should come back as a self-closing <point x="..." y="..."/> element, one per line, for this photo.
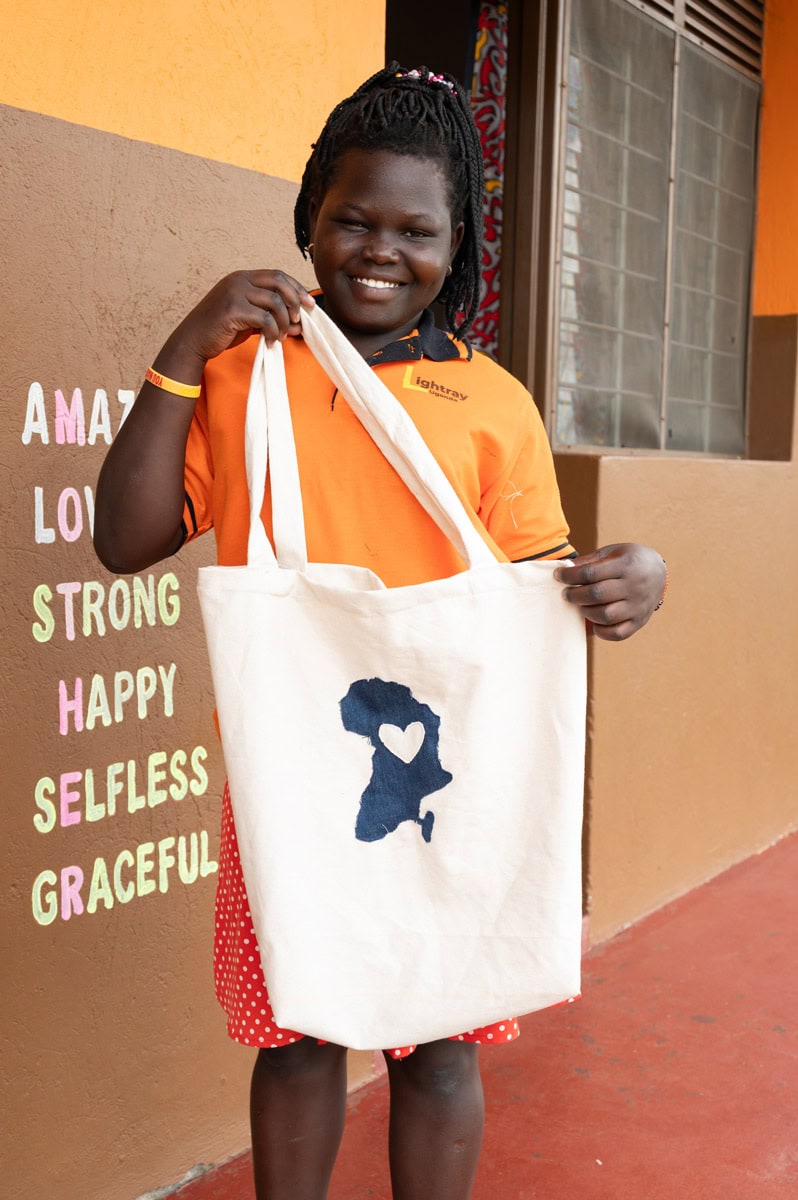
<point x="422" y="384"/>
<point x="405" y="763"/>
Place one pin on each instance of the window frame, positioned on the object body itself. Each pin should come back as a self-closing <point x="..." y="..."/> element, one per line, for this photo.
<point x="539" y="38"/>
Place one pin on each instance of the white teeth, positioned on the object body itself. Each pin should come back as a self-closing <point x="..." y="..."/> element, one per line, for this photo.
<point x="376" y="283"/>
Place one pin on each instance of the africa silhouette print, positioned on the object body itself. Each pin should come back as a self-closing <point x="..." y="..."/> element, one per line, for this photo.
<point x="405" y="763"/>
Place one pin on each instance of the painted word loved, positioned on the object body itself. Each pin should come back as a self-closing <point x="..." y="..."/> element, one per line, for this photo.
<point x="69" y="417"/>
<point x="108" y="704"/>
<point x="90" y="607"/>
<point x="128" y="786"/>
<point x="134" y="873"/>
<point x="68" y="515"/>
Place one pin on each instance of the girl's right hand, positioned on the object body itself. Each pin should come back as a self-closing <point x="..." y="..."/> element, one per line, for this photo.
<point x="140" y="493"/>
<point x="242" y="303"/>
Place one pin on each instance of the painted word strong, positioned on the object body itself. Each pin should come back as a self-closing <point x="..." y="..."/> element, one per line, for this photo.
<point x="108" y="703"/>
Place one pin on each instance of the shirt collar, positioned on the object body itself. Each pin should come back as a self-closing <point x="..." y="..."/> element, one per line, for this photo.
<point x="428" y="341"/>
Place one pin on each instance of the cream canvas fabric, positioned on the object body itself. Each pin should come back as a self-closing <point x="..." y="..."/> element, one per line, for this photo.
<point x="405" y="764"/>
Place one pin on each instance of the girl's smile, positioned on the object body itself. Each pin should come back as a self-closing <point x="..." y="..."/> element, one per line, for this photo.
<point x="377" y="283"/>
<point x="383" y="239"/>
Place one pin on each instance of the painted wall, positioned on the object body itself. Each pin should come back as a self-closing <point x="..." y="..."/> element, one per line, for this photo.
<point x="117" y="1076"/>
<point x="776" y="278"/>
<point x="127" y="138"/>
<point x="693" y="756"/>
<point x="238" y="83"/>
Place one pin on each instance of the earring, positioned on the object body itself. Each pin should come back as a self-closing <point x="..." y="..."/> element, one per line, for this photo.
<point x="310" y="250"/>
<point x="449" y="269"/>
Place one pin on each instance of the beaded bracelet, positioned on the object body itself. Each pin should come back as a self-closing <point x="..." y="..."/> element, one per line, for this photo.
<point x="657" y="607"/>
<point x="190" y="390"/>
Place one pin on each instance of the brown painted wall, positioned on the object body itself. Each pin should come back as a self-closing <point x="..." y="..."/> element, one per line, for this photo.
<point x="693" y="758"/>
<point x="117" y="1075"/>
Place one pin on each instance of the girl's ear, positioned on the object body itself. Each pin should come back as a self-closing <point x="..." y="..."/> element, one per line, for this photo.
<point x="313" y="212"/>
<point x="457" y="239"/>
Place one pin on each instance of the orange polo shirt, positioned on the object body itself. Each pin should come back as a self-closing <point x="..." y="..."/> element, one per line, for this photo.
<point x="481" y="425"/>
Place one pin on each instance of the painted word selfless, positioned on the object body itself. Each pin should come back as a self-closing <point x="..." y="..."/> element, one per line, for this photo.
<point x="127" y="786"/>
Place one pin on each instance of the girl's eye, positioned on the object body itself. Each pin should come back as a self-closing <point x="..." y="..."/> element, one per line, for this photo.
<point x="419" y="233"/>
<point x="352" y="224"/>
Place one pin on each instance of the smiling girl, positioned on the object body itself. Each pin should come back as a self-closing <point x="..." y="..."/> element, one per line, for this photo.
<point x="390" y="211"/>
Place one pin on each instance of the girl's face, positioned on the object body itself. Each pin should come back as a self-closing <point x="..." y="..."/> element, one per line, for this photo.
<point x="383" y="238"/>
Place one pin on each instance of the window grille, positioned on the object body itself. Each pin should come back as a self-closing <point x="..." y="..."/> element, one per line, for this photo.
<point x="655" y="233"/>
<point x="734" y="29"/>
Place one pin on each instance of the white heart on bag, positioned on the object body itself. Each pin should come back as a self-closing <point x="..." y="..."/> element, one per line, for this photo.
<point x="403" y="743"/>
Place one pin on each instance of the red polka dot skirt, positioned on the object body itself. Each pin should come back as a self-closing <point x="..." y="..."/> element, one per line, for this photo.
<point x="238" y="974"/>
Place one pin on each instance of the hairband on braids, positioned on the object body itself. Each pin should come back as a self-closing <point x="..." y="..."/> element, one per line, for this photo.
<point x="429" y="78"/>
<point x="426" y="115"/>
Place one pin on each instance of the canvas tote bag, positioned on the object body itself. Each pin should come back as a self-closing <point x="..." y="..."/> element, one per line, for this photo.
<point x="405" y="764"/>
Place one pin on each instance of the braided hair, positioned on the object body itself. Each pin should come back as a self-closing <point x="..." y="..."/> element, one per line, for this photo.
<point x="413" y="113"/>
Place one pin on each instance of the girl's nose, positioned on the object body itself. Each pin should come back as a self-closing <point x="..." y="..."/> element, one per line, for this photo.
<point x="381" y="249"/>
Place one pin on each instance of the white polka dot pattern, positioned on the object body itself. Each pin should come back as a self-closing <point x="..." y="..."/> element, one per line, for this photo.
<point x="238" y="974"/>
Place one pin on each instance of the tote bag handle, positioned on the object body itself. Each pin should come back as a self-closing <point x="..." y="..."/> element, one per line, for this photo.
<point x="269" y="443"/>
<point x="270" y="440"/>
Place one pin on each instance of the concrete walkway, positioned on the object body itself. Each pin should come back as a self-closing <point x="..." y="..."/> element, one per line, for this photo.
<point x="675" y="1077"/>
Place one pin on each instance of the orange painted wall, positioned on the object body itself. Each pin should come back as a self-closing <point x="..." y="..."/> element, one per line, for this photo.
<point x="776" y="264"/>
<point x="242" y="83"/>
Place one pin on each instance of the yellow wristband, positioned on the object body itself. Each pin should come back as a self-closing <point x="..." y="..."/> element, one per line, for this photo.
<point x="190" y="390"/>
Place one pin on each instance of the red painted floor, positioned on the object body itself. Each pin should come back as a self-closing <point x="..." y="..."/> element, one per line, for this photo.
<point x="675" y="1077"/>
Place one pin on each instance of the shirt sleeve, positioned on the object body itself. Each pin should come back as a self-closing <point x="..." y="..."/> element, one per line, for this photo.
<point x="521" y="508"/>
<point x="198" y="475"/>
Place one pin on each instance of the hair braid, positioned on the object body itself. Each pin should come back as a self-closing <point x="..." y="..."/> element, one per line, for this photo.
<point x="414" y="113"/>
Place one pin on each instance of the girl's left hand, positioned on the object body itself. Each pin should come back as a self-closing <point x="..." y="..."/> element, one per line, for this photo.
<point x="617" y="587"/>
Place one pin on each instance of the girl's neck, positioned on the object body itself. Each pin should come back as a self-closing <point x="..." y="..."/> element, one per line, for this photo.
<point x="367" y="343"/>
<point x="370" y="343"/>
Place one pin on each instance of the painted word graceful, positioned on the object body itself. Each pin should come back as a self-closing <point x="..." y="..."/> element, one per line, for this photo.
<point x="108" y="703"/>
<point x="133" y="873"/>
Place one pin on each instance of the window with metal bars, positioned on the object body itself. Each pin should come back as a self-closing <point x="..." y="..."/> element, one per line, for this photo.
<point x="655" y="223"/>
<point x="731" y="28"/>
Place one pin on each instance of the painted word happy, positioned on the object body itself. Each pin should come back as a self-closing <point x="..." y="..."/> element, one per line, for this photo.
<point x="108" y="703"/>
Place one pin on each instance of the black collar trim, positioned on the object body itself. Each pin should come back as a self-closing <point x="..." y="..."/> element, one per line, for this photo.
<point x="428" y="341"/>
